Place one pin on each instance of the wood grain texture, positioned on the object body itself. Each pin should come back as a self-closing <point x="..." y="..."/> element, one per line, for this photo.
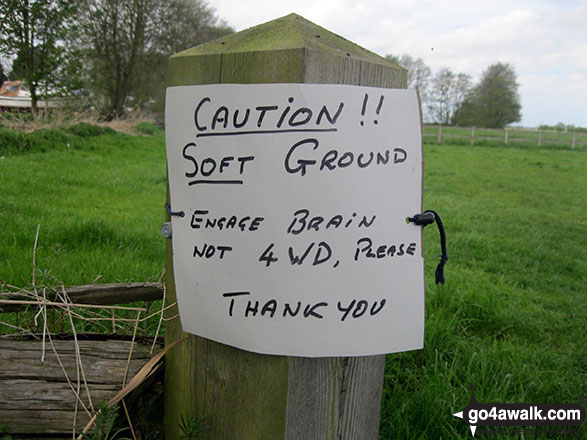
<point x="334" y="398"/>
<point x="35" y="397"/>
<point x="97" y="294"/>
<point x="246" y="395"/>
<point x="115" y="293"/>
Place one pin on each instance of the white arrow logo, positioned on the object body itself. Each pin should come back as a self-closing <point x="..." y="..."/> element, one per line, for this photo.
<point x="460" y="416"/>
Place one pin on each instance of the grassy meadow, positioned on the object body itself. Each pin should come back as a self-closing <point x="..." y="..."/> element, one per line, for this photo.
<point x="510" y="319"/>
<point x="99" y="205"/>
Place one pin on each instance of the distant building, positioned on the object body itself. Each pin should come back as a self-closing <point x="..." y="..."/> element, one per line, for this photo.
<point x="15" y="98"/>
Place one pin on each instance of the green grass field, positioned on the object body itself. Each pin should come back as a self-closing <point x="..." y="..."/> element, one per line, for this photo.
<point x="510" y="319"/>
<point x="99" y="205"/>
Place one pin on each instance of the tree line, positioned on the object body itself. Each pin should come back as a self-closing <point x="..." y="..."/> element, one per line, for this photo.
<point x="110" y="54"/>
<point x="450" y="98"/>
<point x="562" y="127"/>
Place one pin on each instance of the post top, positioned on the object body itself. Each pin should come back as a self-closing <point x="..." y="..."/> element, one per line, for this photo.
<point x="289" y="32"/>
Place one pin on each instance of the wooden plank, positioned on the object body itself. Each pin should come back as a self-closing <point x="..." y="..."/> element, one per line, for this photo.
<point x="35" y="422"/>
<point x="242" y="394"/>
<point x="96" y="294"/>
<point x="115" y="293"/>
<point x="515" y="139"/>
<point x="35" y="397"/>
<point x="101" y="359"/>
<point x="42" y="395"/>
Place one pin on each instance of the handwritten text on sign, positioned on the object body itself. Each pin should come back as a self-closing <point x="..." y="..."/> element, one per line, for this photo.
<point x="294" y="239"/>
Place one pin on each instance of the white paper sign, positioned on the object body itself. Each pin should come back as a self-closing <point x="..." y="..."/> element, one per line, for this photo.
<point x="294" y="239"/>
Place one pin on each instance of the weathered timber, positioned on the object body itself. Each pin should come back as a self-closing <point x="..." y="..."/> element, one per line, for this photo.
<point x="115" y="293"/>
<point x="246" y="395"/>
<point x="95" y="294"/>
<point x="35" y="397"/>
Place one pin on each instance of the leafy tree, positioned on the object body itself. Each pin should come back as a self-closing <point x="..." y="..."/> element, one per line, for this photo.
<point x="187" y="23"/>
<point x="2" y="75"/>
<point x="18" y="69"/>
<point x="447" y="93"/>
<point x="419" y="74"/>
<point x="114" y="36"/>
<point x="32" y="30"/>
<point x="126" y="44"/>
<point x="494" y="102"/>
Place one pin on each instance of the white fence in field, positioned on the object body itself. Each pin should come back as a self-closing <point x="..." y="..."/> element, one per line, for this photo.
<point x="507" y="135"/>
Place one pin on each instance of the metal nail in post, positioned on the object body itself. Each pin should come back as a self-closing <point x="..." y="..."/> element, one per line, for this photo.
<point x="166" y="230"/>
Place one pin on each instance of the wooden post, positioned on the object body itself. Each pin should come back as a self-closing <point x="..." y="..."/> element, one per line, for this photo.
<point x="439" y="138"/>
<point x="507" y="132"/>
<point x="539" y="138"/>
<point x="574" y="141"/>
<point x="472" y="136"/>
<point x="246" y="395"/>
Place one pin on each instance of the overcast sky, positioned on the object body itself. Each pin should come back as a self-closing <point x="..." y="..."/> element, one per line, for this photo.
<point x="545" y="40"/>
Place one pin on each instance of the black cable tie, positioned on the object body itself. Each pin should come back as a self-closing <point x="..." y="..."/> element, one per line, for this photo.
<point x="423" y="219"/>
<point x="170" y="212"/>
<point x="428" y="217"/>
